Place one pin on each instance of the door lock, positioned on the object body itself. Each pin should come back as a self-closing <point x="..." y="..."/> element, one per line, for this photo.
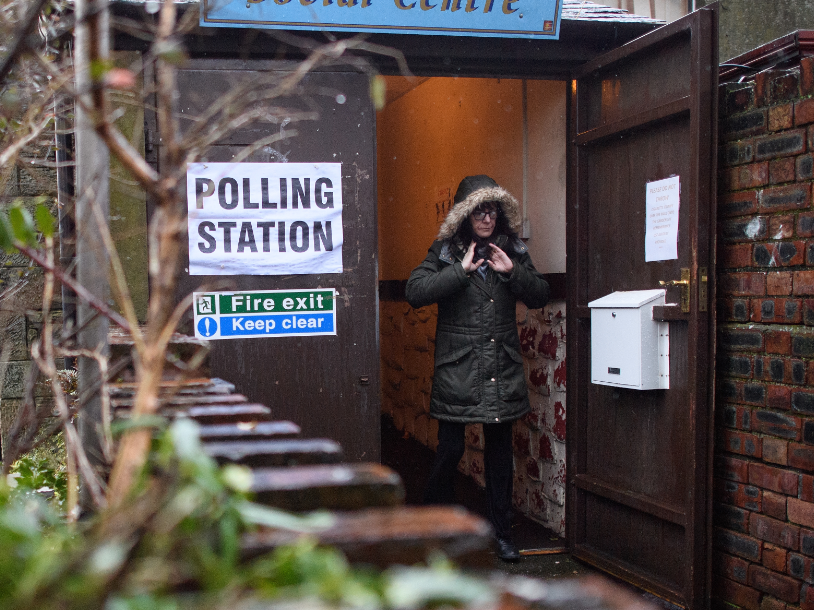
<point x="684" y="284"/>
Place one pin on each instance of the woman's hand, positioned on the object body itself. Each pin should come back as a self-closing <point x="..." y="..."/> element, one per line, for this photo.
<point x="500" y="262"/>
<point x="467" y="263"/>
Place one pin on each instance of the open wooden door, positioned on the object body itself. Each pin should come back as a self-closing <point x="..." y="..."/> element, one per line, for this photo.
<point x="639" y="461"/>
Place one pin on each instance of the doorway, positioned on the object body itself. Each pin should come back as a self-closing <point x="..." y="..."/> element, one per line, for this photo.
<point x="432" y="133"/>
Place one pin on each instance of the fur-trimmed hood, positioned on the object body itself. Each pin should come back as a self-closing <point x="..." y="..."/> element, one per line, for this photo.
<point x="462" y="209"/>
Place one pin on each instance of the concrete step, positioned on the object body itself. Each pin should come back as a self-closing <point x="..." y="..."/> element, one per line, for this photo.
<point x="386" y="536"/>
<point x="288" y="452"/>
<point x="245" y="431"/>
<point x="335" y="487"/>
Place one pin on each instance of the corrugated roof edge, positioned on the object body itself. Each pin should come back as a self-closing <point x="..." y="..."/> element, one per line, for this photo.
<point x="572" y="10"/>
<point x="584" y="10"/>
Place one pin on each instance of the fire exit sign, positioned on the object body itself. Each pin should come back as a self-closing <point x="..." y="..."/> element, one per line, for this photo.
<point x="265" y="313"/>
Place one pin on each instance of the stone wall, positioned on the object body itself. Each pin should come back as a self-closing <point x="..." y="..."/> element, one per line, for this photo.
<point x="407" y="345"/>
<point x="21" y="285"/>
<point x="764" y="454"/>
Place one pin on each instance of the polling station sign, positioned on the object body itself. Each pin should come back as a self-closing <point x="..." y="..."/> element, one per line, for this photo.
<point x="495" y="18"/>
<point x="265" y="313"/>
<point x="264" y="218"/>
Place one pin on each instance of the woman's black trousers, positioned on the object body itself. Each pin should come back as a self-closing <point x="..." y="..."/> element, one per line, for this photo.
<point x="497" y="459"/>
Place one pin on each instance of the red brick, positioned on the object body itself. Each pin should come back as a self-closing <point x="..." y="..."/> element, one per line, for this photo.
<point x="734" y="568"/>
<point x="770" y="603"/>
<point x="784" y="86"/>
<point x="807" y="76"/>
<point x="741" y="443"/>
<point x="737" y="594"/>
<point x="778" y="397"/>
<point x="782" y="425"/>
<point x="801" y="512"/>
<point x="781" y="198"/>
<point x="807" y="542"/>
<point x="773" y="479"/>
<point x="746" y="176"/>
<point x="774" y="531"/>
<point x="781" y="227"/>
<point x="736" y="256"/>
<point x="807" y="598"/>
<point x="805" y="225"/>
<point x="804" y="112"/>
<point x="774" y="505"/>
<point x="779" y="283"/>
<point x="782" y="170"/>
<point x="781" y="117"/>
<point x="738" y="204"/>
<point x="762" y="80"/>
<point x="779" y="254"/>
<point x="801" y="456"/>
<point x="800" y="567"/>
<point x="774" y="558"/>
<point x="782" y="311"/>
<point x="738" y="494"/>
<point x="783" y="587"/>
<point x="808" y="312"/>
<point x="804" y="282"/>
<point x="775" y="451"/>
<point x="744" y="284"/>
<point x="806" y="488"/>
<point x="777" y="342"/>
<point x="732" y="469"/>
<point x="736" y="310"/>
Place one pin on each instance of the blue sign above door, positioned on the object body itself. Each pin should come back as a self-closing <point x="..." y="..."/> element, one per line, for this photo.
<point x="494" y="18"/>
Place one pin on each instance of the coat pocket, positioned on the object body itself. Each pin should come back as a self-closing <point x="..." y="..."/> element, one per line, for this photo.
<point x="456" y="380"/>
<point x="512" y="375"/>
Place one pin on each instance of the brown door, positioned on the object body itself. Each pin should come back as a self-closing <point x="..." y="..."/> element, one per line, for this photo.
<point x="329" y="385"/>
<point x="639" y="461"/>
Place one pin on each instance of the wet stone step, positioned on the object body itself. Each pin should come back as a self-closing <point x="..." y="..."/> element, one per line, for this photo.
<point x="185" y="400"/>
<point x="386" y="536"/>
<point x="199" y="387"/>
<point x="244" y="431"/>
<point x="213" y="414"/>
<point x="340" y="487"/>
<point x="290" y="452"/>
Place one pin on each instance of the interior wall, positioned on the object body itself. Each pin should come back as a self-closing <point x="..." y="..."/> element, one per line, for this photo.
<point x="444" y="129"/>
<point x="428" y="140"/>
<point x="432" y="133"/>
<point x="545" y="201"/>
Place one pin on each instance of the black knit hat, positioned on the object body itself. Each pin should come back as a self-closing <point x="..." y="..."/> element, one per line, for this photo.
<point x="470" y="184"/>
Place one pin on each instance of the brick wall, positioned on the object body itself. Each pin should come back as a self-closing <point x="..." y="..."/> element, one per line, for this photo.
<point x="763" y="549"/>
<point x="407" y="344"/>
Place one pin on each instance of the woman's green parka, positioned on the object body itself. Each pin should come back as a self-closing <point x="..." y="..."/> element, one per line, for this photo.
<point x="479" y="376"/>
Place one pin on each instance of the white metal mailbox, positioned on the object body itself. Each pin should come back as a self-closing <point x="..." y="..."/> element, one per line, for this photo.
<point x="628" y="348"/>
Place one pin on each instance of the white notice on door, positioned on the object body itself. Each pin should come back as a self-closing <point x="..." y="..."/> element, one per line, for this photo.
<point x="661" y="226"/>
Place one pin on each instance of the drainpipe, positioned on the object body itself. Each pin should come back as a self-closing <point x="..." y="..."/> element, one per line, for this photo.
<point x="92" y="191"/>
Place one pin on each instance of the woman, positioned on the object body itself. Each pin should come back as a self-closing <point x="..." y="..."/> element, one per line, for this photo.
<point x="476" y="271"/>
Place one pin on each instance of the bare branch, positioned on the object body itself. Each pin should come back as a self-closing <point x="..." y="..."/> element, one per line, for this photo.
<point x="81" y="291"/>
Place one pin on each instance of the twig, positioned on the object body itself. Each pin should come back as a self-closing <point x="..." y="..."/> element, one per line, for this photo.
<point x="79" y="289"/>
<point x="19" y="45"/>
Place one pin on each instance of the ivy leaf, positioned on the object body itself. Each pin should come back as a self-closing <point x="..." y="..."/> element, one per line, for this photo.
<point x="22" y="225"/>
<point x="6" y="234"/>
<point x="99" y="68"/>
<point x="45" y="222"/>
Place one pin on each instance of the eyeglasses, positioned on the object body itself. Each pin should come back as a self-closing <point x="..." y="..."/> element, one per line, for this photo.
<point x="481" y="214"/>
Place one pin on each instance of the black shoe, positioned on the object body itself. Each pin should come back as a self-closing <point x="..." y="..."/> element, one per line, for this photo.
<point x="506" y="550"/>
